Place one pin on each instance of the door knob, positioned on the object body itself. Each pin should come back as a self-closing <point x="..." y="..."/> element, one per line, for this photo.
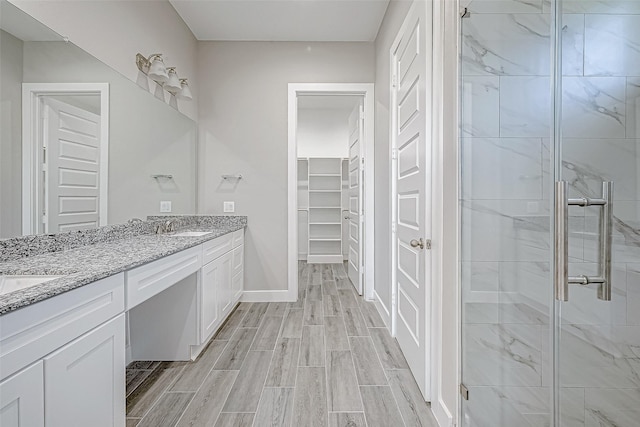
<point x="415" y="243"/>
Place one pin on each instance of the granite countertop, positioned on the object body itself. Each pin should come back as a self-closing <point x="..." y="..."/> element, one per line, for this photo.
<point x="87" y="264"/>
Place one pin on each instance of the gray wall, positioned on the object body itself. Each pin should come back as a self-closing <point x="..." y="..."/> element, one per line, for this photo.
<point x="243" y="129"/>
<point x="396" y="12"/>
<point x="10" y="134"/>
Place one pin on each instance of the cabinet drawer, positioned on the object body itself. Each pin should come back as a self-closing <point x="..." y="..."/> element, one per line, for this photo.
<point x="238" y="237"/>
<point x="215" y="248"/>
<point x="237" y="263"/>
<point x="34" y="331"/>
<point x="150" y="279"/>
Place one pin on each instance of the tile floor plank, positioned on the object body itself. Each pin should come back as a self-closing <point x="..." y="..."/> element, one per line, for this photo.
<point x="347" y="419"/>
<point x="146" y="394"/>
<point x="284" y="364"/>
<point x="369" y="370"/>
<point x="380" y="408"/>
<point x="412" y="406"/>
<point x="292" y="327"/>
<point x="275" y="408"/>
<point x="232" y="322"/>
<point x="135" y="377"/>
<point x="310" y="398"/>
<point x="194" y="374"/>
<point x="313" y="313"/>
<point x="312" y="346"/>
<point x="347" y="298"/>
<point x="314" y="293"/>
<point x="132" y="422"/>
<point x="254" y="315"/>
<point x="342" y="385"/>
<point x="167" y="411"/>
<point x="235" y="420"/>
<point x="236" y="350"/>
<point x="267" y="333"/>
<point x="276" y="309"/>
<point x="371" y="316"/>
<point x="388" y="349"/>
<point x="207" y="403"/>
<point x="331" y="305"/>
<point x="354" y="322"/>
<point x="246" y="390"/>
<point x="335" y="334"/>
<point x="329" y="288"/>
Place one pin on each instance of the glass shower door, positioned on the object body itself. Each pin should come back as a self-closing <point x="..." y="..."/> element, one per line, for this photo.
<point x="541" y="141"/>
<point x="598" y="336"/>
<point x="506" y="205"/>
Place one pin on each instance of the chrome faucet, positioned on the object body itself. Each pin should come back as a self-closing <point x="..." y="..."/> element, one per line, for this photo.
<point x="169" y="225"/>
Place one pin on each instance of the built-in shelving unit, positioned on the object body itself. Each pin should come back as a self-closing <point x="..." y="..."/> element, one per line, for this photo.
<point x="324" y="203"/>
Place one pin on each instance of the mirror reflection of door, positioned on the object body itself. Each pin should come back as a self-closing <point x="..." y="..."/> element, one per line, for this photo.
<point x="70" y="166"/>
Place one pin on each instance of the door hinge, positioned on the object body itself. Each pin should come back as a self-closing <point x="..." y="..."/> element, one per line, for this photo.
<point x="394" y="153"/>
<point x="464" y="391"/>
<point x="393" y="227"/>
<point x="361" y="113"/>
<point x="394" y="80"/>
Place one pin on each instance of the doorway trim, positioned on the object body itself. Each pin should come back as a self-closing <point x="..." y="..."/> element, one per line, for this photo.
<point x="32" y="133"/>
<point x="366" y="90"/>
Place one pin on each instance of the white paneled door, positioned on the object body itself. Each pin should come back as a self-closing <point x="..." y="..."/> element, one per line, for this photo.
<point x="71" y="169"/>
<point x="411" y="191"/>
<point x="356" y="217"/>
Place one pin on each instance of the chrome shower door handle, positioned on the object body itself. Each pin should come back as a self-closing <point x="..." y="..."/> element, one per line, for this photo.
<point x="561" y="241"/>
<point x="605" y="240"/>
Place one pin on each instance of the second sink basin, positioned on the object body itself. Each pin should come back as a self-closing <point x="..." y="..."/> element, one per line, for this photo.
<point x="18" y="282"/>
<point x="192" y="233"/>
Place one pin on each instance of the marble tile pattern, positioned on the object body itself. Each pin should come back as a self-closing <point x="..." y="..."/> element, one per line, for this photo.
<point x="81" y="265"/>
<point x="277" y="387"/>
<point x="506" y="210"/>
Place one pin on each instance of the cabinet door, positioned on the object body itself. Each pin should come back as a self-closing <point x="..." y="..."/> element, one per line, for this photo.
<point x="209" y="305"/>
<point x="225" y="283"/>
<point x="85" y="380"/>
<point x="22" y="398"/>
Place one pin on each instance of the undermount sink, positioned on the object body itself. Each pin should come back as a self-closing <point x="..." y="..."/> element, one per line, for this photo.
<point x="18" y="282"/>
<point x="192" y="233"/>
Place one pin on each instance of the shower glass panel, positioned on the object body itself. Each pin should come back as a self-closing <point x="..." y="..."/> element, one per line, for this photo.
<point x="599" y="339"/>
<point x="506" y="207"/>
<point x="531" y="355"/>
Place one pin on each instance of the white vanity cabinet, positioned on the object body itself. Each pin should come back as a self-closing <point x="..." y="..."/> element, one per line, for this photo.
<point x="221" y="280"/>
<point x="62" y="359"/>
<point x="22" y="398"/>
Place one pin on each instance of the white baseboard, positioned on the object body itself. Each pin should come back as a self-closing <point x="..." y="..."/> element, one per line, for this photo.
<point x="382" y="310"/>
<point x="442" y="414"/>
<point x="267" y="296"/>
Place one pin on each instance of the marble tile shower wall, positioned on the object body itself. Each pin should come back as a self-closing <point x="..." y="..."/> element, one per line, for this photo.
<point x="505" y="203"/>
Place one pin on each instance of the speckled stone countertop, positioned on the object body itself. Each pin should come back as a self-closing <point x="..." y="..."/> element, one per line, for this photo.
<point x="87" y="264"/>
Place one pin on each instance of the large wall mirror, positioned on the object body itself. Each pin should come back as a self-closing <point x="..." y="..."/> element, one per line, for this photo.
<point x="81" y="145"/>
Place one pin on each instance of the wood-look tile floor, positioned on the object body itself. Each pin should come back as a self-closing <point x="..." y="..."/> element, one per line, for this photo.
<point x="325" y="360"/>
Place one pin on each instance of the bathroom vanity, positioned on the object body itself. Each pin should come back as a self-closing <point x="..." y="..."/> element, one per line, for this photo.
<point x="65" y="343"/>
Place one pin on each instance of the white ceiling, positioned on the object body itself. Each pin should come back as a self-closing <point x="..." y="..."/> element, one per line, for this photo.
<point x="283" y="20"/>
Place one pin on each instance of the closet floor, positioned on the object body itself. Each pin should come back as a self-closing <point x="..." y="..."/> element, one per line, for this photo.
<point x="325" y="360"/>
